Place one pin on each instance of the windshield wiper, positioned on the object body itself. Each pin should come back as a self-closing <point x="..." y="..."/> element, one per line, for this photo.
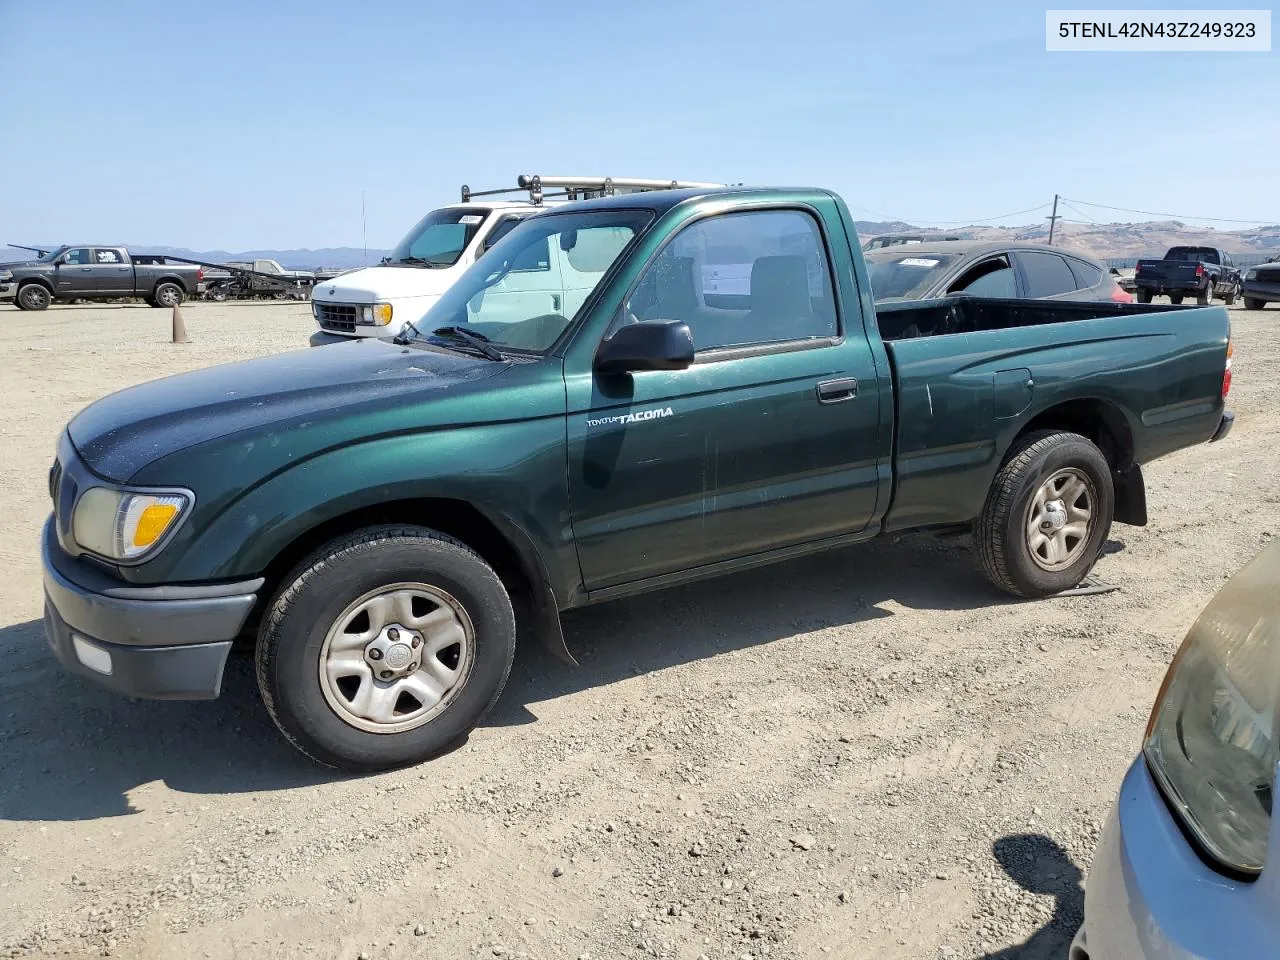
<point x="477" y="341"/>
<point x="425" y="263"/>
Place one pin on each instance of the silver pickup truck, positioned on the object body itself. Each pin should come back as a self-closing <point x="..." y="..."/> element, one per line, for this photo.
<point x="97" y="273"/>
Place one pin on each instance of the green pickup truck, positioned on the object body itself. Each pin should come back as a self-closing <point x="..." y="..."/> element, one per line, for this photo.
<point x="709" y="388"/>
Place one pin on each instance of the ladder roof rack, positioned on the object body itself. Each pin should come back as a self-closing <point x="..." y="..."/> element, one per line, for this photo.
<point x="581" y="188"/>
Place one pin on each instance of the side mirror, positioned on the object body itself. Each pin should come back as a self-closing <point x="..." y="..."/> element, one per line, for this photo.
<point x="657" y="345"/>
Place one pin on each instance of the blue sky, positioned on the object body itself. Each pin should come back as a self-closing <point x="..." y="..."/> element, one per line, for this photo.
<point x="246" y="125"/>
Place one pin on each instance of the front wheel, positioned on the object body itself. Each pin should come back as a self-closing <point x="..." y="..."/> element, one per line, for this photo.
<point x="1047" y="515"/>
<point x="1229" y="298"/>
<point x="1144" y="296"/>
<point x="34" y="296"/>
<point x="385" y="648"/>
<point x="1252" y="304"/>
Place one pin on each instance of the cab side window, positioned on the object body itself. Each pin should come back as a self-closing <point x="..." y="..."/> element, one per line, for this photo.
<point x="78" y="257"/>
<point x="741" y="279"/>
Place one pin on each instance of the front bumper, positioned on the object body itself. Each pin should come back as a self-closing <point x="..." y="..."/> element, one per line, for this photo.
<point x="159" y="643"/>
<point x="1150" y="897"/>
<point x="8" y="290"/>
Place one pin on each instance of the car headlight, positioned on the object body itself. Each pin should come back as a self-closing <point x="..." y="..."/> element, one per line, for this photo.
<point x="1211" y="740"/>
<point x="315" y="309"/>
<point x="6" y="275"/>
<point x="127" y="525"/>
<point x="1251" y="275"/>
<point x="377" y="314"/>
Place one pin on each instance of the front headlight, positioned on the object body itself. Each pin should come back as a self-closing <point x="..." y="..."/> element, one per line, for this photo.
<point x="1211" y="740"/>
<point x="377" y="314"/>
<point x="1251" y="275"/>
<point x="6" y="275"/>
<point x="122" y="525"/>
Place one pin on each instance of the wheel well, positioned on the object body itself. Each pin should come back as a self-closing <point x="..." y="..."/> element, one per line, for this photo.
<point x="456" y="518"/>
<point x="38" y="282"/>
<point x="177" y="281"/>
<point x="1100" y="421"/>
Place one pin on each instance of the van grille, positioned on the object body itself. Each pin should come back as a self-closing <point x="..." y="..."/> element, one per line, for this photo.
<point x="336" y="316"/>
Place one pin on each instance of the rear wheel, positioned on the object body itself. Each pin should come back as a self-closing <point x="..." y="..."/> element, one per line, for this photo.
<point x="385" y="647"/>
<point x="167" y="294"/>
<point x="1252" y="304"/>
<point x="1205" y="296"/>
<point x="1175" y="299"/>
<point x="1047" y="515"/>
<point x="1144" y="296"/>
<point x="34" y="296"/>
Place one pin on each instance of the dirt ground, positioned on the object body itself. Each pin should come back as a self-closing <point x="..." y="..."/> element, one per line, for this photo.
<point x="864" y="754"/>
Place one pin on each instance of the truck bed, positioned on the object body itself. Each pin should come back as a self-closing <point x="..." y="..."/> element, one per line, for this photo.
<point x="1154" y="373"/>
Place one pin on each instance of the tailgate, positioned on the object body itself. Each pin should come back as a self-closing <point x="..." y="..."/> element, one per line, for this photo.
<point x="1176" y="271"/>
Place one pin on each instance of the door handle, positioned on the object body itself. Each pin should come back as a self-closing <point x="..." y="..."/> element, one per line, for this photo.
<point x="834" y="391"/>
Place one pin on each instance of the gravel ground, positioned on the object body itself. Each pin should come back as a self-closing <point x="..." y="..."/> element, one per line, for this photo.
<point x="863" y="754"/>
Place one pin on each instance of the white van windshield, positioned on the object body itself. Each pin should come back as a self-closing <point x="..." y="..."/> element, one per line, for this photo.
<point x="524" y="292"/>
<point x="439" y="238"/>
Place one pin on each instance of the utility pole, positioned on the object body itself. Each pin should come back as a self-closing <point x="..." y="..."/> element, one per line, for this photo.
<point x="1053" y="219"/>
<point x="364" y="232"/>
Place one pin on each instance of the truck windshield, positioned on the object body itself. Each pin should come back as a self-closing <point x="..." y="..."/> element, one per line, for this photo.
<point x="439" y="238"/>
<point x="525" y="291"/>
<point x="898" y="274"/>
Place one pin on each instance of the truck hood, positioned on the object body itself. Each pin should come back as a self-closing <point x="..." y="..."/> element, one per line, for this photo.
<point x="385" y="283"/>
<point x="120" y="434"/>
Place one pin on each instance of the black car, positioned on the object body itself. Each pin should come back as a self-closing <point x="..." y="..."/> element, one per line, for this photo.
<point x="924" y="271"/>
<point x="1262" y="285"/>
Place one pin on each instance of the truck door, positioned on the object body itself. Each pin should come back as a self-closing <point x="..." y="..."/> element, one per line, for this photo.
<point x="770" y="439"/>
<point x="112" y="271"/>
<point x="74" y="274"/>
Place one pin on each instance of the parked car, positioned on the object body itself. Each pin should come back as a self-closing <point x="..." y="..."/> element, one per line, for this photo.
<point x="896" y="239"/>
<point x="1261" y="285"/>
<point x="379" y="301"/>
<point x="982" y="268"/>
<point x="1186" y="865"/>
<point x="1202" y="272"/>
<point x="96" y="273"/>
<point x="369" y="515"/>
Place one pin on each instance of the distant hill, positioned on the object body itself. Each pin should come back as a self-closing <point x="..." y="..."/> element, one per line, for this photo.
<point x="1102" y="240"/>
<point x="1109" y="240"/>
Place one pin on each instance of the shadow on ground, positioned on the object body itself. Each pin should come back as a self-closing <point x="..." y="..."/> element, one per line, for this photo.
<point x="71" y="751"/>
<point x="1039" y="865"/>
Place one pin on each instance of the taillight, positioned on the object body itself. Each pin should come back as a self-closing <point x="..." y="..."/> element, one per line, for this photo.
<point x="1137" y="268"/>
<point x="1199" y="269"/>
<point x="1226" y="374"/>
<point x="199" y="274"/>
<point x="1211" y="741"/>
<point x="1119" y="294"/>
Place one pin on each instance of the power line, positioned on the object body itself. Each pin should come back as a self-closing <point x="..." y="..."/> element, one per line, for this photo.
<point x="1175" y="216"/>
<point x="1081" y="212"/>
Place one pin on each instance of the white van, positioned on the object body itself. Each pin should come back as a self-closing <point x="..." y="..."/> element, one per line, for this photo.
<point x="380" y="301"/>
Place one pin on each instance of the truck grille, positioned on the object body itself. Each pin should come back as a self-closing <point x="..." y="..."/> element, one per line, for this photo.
<point x="336" y="316"/>
<point x="1269" y="274"/>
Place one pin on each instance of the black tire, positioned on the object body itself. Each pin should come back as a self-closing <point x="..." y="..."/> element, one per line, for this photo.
<point x="1230" y="298"/>
<point x="1175" y="299"/>
<point x="218" y="293"/>
<point x="34" y="296"/>
<point x="167" y="294"/>
<point x="318" y="591"/>
<point x="1144" y="296"/>
<point x="1001" y="530"/>
<point x="1252" y="304"/>
<point x="1205" y="297"/>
